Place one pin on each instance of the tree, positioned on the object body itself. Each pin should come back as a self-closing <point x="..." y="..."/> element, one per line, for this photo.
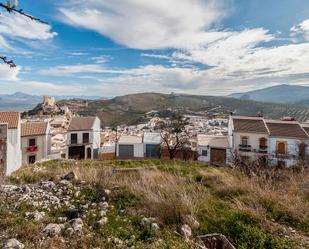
<point x="13" y="9"/>
<point x="174" y="135"/>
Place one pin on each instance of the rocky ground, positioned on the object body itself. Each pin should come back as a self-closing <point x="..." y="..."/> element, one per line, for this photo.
<point x="150" y="204"/>
<point x="67" y="213"/>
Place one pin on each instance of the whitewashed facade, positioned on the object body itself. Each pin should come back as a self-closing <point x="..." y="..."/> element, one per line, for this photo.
<point x="83" y="138"/>
<point x="278" y="141"/>
<point x="13" y="161"/>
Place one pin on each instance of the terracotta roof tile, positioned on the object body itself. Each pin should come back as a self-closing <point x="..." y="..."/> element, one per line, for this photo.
<point x="81" y="123"/>
<point x="250" y="125"/>
<point x="33" y="129"/>
<point x="11" y="118"/>
<point x="290" y="129"/>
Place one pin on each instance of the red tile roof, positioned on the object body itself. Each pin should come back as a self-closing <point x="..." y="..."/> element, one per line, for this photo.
<point x="33" y="129"/>
<point x="249" y="124"/>
<point x="290" y="129"/>
<point x="81" y="123"/>
<point x="11" y="118"/>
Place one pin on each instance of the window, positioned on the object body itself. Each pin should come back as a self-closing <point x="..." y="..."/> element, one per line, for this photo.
<point x="85" y="138"/>
<point x="31" y="159"/>
<point x="204" y="153"/>
<point x="281" y="148"/>
<point x="32" y="142"/>
<point x="302" y="147"/>
<point x="74" y="138"/>
<point x="244" y="141"/>
<point x="263" y="142"/>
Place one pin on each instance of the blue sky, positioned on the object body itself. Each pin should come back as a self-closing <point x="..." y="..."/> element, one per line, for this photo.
<point x="108" y="48"/>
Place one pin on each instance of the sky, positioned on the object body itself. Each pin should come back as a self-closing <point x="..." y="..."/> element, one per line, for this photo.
<point x="116" y="47"/>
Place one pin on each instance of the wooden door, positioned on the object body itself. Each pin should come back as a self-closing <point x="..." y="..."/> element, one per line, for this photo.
<point x="218" y="156"/>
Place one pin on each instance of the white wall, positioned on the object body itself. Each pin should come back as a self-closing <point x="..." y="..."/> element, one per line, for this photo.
<point x="40" y="154"/>
<point x="96" y="136"/>
<point x="14" y="160"/>
<point x="203" y="158"/>
<point x="138" y="150"/>
<point x="253" y="140"/>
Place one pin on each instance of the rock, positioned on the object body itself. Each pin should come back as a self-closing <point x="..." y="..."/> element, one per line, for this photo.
<point x="107" y="192"/>
<point x="38" y="215"/>
<point x="103" y="205"/>
<point x="8" y="188"/>
<point x="62" y="219"/>
<point x="102" y="221"/>
<point x="155" y="227"/>
<point x="69" y="232"/>
<point x="77" y="224"/>
<point x="145" y="222"/>
<point x="186" y="232"/>
<point x="47" y="185"/>
<point x="77" y="194"/>
<point x="52" y="230"/>
<point x="13" y="244"/>
<point x="192" y="222"/>
<point x="69" y="177"/>
<point x="102" y="213"/>
<point x="73" y="213"/>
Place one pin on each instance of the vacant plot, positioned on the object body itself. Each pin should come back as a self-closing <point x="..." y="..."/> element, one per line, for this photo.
<point x="250" y="212"/>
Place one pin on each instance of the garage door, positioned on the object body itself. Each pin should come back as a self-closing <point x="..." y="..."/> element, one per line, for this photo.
<point x="77" y="152"/>
<point x="218" y="156"/>
<point x="152" y="150"/>
<point x="126" y="150"/>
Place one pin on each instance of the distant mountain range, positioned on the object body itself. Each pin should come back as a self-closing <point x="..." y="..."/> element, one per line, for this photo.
<point x="21" y="101"/>
<point x="277" y="94"/>
<point x="131" y="109"/>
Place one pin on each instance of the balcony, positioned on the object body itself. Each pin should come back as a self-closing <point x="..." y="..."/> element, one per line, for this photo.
<point x="263" y="149"/>
<point x="32" y="149"/>
<point x="244" y="147"/>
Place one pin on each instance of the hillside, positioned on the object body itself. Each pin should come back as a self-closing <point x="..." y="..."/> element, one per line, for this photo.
<point x="277" y="94"/>
<point x="150" y="205"/>
<point x="21" y="101"/>
<point x="131" y="109"/>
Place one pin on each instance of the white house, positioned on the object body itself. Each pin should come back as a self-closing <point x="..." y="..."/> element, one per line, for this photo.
<point x="287" y="140"/>
<point x="11" y="120"/>
<point x="152" y="144"/>
<point x="35" y="141"/>
<point x="279" y="141"/>
<point x="212" y="149"/>
<point x="130" y="147"/>
<point x="83" y="138"/>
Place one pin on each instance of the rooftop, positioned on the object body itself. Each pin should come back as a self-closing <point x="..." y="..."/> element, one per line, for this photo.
<point x="212" y="141"/>
<point x="152" y="138"/>
<point x="81" y="123"/>
<point x="33" y="129"/>
<point x="10" y="118"/>
<point x="291" y="129"/>
<point x="130" y="140"/>
<point x="249" y="124"/>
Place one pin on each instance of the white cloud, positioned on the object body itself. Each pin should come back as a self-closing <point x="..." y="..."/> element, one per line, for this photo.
<point x="8" y="73"/>
<point x="147" y="24"/>
<point x="69" y="70"/>
<point x="232" y="60"/>
<point x="301" y="29"/>
<point x="15" y="25"/>
<point x="101" y="59"/>
<point x="3" y="44"/>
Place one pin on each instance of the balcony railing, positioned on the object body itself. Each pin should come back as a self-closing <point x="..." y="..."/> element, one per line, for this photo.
<point x="244" y="147"/>
<point x="32" y="148"/>
<point x="263" y="149"/>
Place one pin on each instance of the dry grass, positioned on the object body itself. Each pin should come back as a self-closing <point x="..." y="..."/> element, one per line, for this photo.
<point x="219" y="198"/>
